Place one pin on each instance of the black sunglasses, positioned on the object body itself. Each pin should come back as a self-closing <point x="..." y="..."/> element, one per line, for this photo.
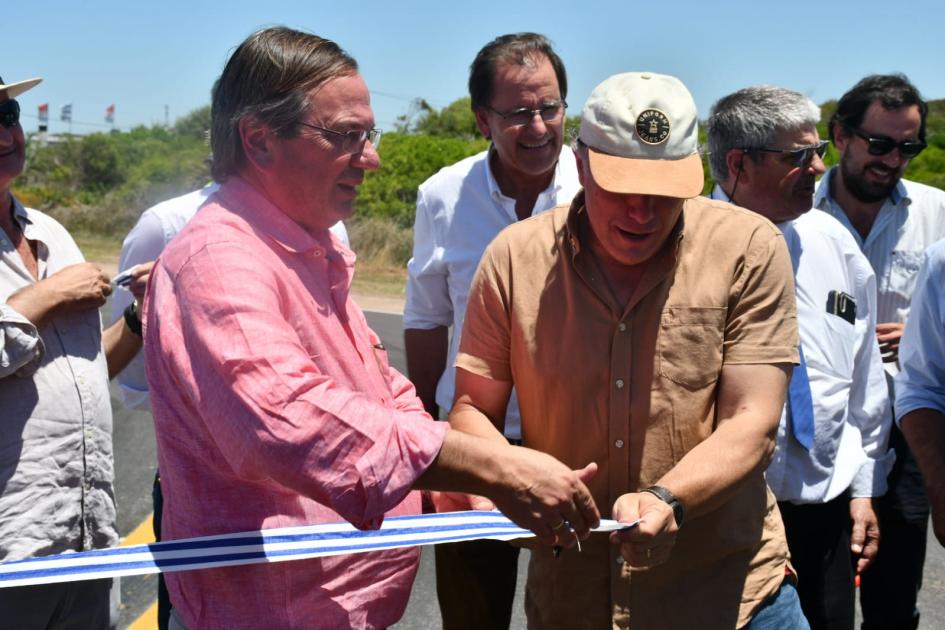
<point x="799" y="157"/>
<point x="881" y="145"/>
<point x="9" y="113"/>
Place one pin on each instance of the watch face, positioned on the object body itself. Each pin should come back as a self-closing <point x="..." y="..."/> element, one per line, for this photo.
<point x="653" y="126"/>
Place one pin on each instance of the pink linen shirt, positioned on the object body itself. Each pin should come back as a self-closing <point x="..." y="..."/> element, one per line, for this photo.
<point x="274" y="405"/>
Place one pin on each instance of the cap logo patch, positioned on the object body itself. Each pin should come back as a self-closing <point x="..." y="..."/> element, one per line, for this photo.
<point x="653" y="126"/>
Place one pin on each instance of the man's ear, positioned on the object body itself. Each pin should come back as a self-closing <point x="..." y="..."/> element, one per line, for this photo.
<point x="256" y="138"/>
<point x="735" y="164"/>
<point x="579" y="158"/>
<point x="840" y="137"/>
<point x="483" y="123"/>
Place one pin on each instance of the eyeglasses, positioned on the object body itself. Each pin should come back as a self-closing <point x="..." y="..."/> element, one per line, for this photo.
<point x="549" y="112"/>
<point x="351" y="141"/>
<point x="9" y="113"/>
<point x="799" y="157"/>
<point x="881" y="145"/>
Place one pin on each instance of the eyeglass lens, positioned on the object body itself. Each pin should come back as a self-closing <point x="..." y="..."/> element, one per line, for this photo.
<point x="9" y="113"/>
<point x="805" y="155"/>
<point x="522" y="116"/>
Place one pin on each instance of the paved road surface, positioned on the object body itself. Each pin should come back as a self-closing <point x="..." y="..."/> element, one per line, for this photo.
<point x="134" y="466"/>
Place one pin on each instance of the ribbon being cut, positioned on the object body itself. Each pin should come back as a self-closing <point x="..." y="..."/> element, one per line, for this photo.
<point x="268" y="545"/>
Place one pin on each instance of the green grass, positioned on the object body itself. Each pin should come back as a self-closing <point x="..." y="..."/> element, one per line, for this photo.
<point x="98" y="248"/>
<point x="372" y="276"/>
<point x="372" y="279"/>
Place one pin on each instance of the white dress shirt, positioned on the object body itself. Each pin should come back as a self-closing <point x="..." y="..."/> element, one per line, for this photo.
<point x="56" y="466"/>
<point x="852" y="418"/>
<point x="907" y="224"/>
<point x="921" y="383"/>
<point x="459" y="211"/>
<point x="145" y="242"/>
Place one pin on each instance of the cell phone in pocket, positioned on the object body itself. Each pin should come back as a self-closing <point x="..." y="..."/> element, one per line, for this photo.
<point x="842" y="305"/>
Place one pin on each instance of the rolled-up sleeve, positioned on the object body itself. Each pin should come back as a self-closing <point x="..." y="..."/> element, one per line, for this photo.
<point x="921" y="382"/>
<point x="762" y="316"/>
<point x="428" y="303"/>
<point x="21" y="347"/>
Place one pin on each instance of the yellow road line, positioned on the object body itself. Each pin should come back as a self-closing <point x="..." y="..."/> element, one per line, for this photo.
<point x="147" y="620"/>
<point x="142" y="534"/>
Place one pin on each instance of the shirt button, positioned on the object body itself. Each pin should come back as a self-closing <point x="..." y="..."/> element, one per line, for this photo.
<point x="317" y="253"/>
<point x="619" y="443"/>
<point x="622" y="327"/>
<point x="619" y="383"/>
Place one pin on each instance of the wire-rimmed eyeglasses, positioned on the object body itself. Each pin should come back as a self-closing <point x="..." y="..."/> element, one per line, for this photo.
<point x="351" y="141"/>
<point x="549" y="112"/>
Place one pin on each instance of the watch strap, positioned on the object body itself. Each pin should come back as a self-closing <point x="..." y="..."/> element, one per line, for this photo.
<point x="131" y="318"/>
<point x="667" y="497"/>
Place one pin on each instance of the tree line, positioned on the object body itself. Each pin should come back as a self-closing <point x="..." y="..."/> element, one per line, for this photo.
<point x="102" y="182"/>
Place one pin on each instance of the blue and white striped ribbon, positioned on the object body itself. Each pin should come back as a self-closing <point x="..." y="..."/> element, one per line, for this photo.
<point x="268" y="545"/>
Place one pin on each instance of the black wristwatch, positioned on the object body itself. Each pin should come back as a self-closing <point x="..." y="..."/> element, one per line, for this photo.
<point x="664" y="495"/>
<point x="131" y="318"/>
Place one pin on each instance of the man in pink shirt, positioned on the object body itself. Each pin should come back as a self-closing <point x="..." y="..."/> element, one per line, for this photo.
<point x="274" y="404"/>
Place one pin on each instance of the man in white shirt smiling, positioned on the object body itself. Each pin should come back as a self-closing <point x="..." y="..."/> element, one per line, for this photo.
<point x="830" y="459"/>
<point x="518" y="87"/>
<point x="878" y="127"/>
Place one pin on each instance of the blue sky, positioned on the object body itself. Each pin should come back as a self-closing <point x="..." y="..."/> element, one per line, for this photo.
<point x="143" y="55"/>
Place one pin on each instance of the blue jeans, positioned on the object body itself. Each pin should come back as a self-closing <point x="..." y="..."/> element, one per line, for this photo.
<point x="781" y="611"/>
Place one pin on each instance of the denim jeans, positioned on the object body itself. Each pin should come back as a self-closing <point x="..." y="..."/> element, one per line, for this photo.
<point x="781" y="611"/>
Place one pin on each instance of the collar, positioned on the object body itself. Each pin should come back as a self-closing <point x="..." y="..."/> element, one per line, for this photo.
<point x="823" y="198"/>
<point x="244" y="200"/>
<point x="20" y="215"/>
<point x="493" y="186"/>
<point x="719" y="195"/>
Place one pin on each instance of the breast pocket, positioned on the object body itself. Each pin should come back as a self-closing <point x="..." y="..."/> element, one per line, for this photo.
<point x="903" y="269"/>
<point x="690" y="345"/>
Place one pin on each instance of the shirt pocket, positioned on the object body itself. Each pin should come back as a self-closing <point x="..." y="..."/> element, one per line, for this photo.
<point x="903" y="268"/>
<point x="690" y="345"/>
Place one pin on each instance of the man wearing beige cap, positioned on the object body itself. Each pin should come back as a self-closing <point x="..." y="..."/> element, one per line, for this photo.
<point x="56" y="472"/>
<point x="653" y="331"/>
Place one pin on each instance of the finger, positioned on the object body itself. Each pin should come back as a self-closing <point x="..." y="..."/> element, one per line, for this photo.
<point x="477" y="502"/>
<point x="584" y="502"/>
<point x="857" y="537"/>
<point x="871" y="546"/>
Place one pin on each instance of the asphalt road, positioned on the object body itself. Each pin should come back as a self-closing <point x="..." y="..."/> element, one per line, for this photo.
<point x="134" y="471"/>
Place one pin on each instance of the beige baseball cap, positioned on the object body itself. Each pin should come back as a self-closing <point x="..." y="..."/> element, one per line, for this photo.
<point x="642" y="132"/>
<point x="12" y="90"/>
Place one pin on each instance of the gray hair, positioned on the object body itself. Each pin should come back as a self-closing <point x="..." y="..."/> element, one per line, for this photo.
<point x="751" y="118"/>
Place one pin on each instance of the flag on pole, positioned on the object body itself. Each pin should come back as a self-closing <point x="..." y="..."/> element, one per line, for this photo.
<point x="110" y="114"/>
<point x="44" y="113"/>
<point x="65" y="115"/>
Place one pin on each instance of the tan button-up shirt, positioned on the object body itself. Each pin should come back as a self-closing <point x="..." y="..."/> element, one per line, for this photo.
<point x="634" y="389"/>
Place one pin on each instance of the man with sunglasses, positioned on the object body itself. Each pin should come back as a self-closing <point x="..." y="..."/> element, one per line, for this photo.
<point x="56" y="493"/>
<point x="878" y="126"/>
<point x="830" y="459"/>
<point x="517" y="85"/>
<point x="274" y="404"/>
